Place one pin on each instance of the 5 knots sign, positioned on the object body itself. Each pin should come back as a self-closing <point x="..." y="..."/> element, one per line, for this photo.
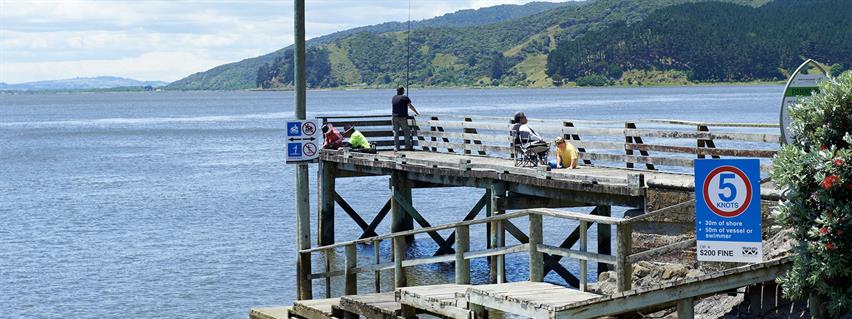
<point x="727" y="210"/>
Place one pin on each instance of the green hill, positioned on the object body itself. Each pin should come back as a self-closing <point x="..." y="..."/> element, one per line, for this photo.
<point x="243" y="74"/>
<point x="593" y="42"/>
<point x="713" y="42"/>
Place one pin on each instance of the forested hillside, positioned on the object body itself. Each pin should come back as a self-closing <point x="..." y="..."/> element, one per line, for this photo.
<point x="596" y="42"/>
<point x="712" y="42"/>
<point x="508" y="53"/>
<point x="243" y="74"/>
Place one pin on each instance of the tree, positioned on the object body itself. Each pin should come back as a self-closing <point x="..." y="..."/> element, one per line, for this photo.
<point x="498" y="65"/>
<point x="817" y="171"/>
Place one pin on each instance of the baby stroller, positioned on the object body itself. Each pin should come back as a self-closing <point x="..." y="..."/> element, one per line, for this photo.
<point x="528" y="153"/>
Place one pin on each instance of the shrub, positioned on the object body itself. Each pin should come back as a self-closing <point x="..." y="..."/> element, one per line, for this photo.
<point x="592" y="80"/>
<point x="817" y="172"/>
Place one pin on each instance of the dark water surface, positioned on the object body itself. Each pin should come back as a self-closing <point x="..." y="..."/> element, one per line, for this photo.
<point x="163" y="205"/>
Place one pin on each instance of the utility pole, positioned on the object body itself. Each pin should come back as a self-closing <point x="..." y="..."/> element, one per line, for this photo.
<point x="303" y="229"/>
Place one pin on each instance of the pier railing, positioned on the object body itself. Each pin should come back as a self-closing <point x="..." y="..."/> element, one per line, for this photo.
<point x="534" y="246"/>
<point x="647" y="144"/>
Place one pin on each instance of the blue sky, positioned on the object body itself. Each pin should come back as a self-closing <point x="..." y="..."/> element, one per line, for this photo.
<point x="167" y="40"/>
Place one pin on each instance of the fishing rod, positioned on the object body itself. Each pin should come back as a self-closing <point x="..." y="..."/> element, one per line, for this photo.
<point x="408" y="54"/>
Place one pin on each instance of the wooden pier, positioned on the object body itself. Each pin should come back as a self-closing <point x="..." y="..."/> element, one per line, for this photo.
<point x="622" y="164"/>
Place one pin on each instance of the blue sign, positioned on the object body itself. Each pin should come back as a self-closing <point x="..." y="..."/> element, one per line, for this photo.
<point x="294" y="150"/>
<point x="294" y="128"/>
<point x="727" y="210"/>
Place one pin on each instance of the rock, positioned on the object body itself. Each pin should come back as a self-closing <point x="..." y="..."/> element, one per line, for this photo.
<point x="673" y="271"/>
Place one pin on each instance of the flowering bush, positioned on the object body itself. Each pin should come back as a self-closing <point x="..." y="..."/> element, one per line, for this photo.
<point x="817" y="173"/>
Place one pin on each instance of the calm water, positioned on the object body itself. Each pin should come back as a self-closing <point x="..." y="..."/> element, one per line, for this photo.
<point x="155" y="205"/>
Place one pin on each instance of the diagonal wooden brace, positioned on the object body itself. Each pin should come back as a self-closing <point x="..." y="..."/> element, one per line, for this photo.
<point x="470" y="216"/>
<point x="371" y="229"/>
<point x="550" y="264"/>
<point x="350" y="211"/>
<point x="406" y="206"/>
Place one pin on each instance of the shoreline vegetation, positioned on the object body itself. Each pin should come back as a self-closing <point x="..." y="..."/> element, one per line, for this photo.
<point x="571" y="85"/>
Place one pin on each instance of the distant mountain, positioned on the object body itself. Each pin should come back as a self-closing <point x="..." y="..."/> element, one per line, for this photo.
<point x="243" y="74"/>
<point x="100" y="82"/>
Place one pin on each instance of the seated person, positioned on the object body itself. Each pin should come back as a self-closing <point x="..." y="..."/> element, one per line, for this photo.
<point x="357" y="141"/>
<point x="566" y="155"/>
<point x="536" y="143"/>
<point x="332" y="138"/>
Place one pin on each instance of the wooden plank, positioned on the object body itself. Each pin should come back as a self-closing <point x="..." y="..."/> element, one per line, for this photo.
<point x="373" y="306"/>
<point x="683" y="244"/>
<point x="584" y="242"/>
<point x="702" y="151"/>
<point x="685" y="308"/>
<point x="577" y="254"/>
<point x="526" y="299"/>
<point x="270" y="313"/>
<point x="435" y="299"/>
<point x="577" y="216"/>
<point x="497" y="251"/>
<point x="316" y="309"/>
<point x="686" y="288"/>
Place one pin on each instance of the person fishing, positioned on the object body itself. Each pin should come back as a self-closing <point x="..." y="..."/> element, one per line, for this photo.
<point x="401" y="104"/>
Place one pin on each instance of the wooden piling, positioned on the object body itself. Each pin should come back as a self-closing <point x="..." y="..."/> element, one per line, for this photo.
<point x="604" y="236"/>
<point x="623" y="267"/>
<point x="400" y="220"/>
<point x="536" y="257"/>
<point x="685" y="308"/>
<point x="398" y="256"/>
<point x="584" y="246"/>
<point x="377" y="259"/>
<point x="325" y="207"/>
<point x="498" y="239"/>
<point x="350" y="277"/>
<point x="462" y="246"/>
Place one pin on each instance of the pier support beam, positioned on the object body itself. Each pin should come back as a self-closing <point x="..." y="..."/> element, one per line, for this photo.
<point x="685" y="308"/>
<point x="497" y="234"/>
<point x="604" y="236"/>
<point x="325" y="207"/>
<point x="400" y="220"/>
<point x="462" y="246"/>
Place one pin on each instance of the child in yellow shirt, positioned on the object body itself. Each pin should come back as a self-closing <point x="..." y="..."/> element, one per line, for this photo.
<point x="566" y="155"/>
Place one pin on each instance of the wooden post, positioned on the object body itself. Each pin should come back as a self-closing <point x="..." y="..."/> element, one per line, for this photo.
<point x="623" y="267"/>
<point x="377" y="259"/>
<point x="325" y="207"/>
<point x="329" y="254"/>
<point x="350" y="277"/>
<point x="408" y="312"/>
<point x="303" y="276"/>
<point x="398" y="257"/>
<point x="536" y="257"/>
<point x="468" y="130"/>
<point x="584" y="246"/>
<point x="604" y="236"/>
<point x="575" y="137"/>
<point x="400" y="220"/>
<point x="477" y="311"/>
<point x="498" y="239"/>
<point x="685" y="308"/>
<point x="705" y="143"/>
<point x="462" y="246"/>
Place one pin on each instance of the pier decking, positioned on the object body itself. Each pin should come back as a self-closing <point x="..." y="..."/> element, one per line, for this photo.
<point x="617" y="169"/>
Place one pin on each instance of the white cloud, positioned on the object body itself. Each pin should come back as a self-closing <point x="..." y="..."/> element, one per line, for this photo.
<point x="167" y="40"/>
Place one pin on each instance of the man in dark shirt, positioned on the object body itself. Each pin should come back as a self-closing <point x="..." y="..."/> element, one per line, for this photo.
<point x="401" y="103"/>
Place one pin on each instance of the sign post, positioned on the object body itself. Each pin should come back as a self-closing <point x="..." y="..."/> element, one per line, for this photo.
<point x="727" y="210"/>
<point x="304" y="140"/>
